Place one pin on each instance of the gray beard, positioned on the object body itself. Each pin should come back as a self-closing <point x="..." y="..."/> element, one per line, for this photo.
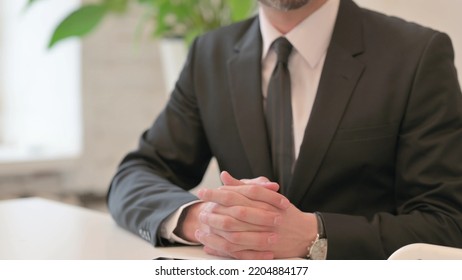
<point x="285" y="5"/>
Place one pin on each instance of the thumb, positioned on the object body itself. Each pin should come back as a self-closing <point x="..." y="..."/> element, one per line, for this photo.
<point x="229" y="180"/>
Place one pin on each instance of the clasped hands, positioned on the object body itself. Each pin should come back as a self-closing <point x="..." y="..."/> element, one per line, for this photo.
<point x="248" y="219"/>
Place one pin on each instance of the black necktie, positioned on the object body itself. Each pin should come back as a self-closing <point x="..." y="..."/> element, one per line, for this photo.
<point x="279" y="116"/>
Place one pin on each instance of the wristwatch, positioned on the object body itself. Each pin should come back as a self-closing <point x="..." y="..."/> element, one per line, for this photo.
<point x="318" y="249"/>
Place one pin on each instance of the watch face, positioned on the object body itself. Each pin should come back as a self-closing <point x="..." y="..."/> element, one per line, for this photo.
<point x="318" y="250"/>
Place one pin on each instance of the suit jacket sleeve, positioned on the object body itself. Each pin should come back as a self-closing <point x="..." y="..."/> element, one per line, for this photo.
<point x="428" y="172"/>
<point x="153" y="181"/>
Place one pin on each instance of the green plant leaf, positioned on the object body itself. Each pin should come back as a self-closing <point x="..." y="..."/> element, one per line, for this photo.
<point x="117" y="6"/>
<point x="241" y="9"/>
<point x="79" y="23"/>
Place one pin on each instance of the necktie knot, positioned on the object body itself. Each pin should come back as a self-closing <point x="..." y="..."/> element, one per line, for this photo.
<point x="282" y="47"/>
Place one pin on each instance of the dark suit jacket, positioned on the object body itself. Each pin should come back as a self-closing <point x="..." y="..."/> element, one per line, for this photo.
<point x="381" y="157"/>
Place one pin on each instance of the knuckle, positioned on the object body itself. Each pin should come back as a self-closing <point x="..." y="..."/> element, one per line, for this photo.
<point x="241" y="213"/>
<point x="262" y="241"/>
<point x="226" y="224"/>
<point x="234" y="237"/>
<point x="226" y="199"/>
<point x="262" y="179"/>
<point x="266" y="207"/>
<point x="253" y="190"/>
<point x="228" y="247"/>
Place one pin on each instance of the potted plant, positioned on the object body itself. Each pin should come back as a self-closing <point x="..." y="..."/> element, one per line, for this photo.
<point x="168" y="18"/>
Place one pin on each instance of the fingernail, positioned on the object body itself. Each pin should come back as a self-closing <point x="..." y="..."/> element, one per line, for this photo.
<point x="201" y="193"/>
<point x="203" y="217"/>
<point x="285" y="203"/>
<point x="277" y="221"/>
<point x="208" y="208"/>
<point x="268" y="256"/>
<point x="272" y="238"/>
<point x="198" y="234"/>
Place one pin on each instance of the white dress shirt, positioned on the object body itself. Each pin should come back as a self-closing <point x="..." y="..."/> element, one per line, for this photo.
<point x="310" y="40"/>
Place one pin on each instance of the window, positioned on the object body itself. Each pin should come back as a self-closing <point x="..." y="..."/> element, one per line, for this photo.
<point x="40" y="106"/>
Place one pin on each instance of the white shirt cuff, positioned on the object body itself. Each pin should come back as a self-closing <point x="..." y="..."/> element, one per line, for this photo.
<point x="169" y="225"/>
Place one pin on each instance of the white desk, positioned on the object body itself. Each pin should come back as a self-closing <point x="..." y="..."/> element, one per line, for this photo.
<point x="35" y="228"/>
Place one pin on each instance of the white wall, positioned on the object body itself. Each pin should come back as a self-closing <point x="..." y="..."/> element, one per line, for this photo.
<point x="445" y="16"/>
<point x="122" y="92"/>
<point x="40" y="90"/>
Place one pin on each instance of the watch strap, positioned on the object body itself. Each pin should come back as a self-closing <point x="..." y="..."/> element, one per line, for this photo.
<point x="318" y="248"/>
<point x="321" y="229"/>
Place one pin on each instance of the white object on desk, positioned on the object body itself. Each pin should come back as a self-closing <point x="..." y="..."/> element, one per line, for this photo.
<point x="35" y="228"/>
<point x="422" y="251"/>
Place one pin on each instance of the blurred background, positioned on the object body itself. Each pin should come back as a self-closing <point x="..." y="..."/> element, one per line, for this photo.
<point x="68" y="115"/>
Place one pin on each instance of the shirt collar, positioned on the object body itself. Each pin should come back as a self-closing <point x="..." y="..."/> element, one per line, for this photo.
<point x="310" y="38"/>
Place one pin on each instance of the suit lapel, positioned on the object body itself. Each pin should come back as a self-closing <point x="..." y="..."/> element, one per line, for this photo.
<point x="340" y="74"/>
<point x="247" y="100"/>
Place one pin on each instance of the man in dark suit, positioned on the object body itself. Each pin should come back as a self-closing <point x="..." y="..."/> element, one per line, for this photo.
<point x="377" y="122"/>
